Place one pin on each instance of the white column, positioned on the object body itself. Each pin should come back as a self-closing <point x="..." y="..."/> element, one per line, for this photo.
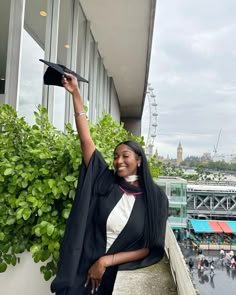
<point x="2" y="98"/>
<point x="14" y="49"/>
<point x="94" y="110"/>
<point x="105" y="91"/>
<point x="109" y="94"/>
<point x="101" y="89"/>
<point x="86" y="65"/>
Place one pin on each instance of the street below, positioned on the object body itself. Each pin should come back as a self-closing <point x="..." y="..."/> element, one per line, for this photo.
<point x="223" y="281"/>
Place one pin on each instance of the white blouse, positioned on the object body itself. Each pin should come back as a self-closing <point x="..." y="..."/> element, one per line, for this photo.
<point x="119" y="217"/>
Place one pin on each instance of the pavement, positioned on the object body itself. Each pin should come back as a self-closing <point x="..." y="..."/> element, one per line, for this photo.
<point x="223" y="281"/>
<point x="154" y="280"/>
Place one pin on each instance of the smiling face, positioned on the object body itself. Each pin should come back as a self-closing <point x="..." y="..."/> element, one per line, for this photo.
<point x="125" y="161"/>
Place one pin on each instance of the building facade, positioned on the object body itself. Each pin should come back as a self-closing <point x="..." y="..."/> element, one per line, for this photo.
<point x="94" y="38"/>
<point x="107" y="42"/>
<point x="175" y="189"/>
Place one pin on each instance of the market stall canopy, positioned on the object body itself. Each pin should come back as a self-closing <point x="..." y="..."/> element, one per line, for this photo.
<point x="201" y="226"/>
<point x="232" y="226"/>
<point x="213" y="226"/>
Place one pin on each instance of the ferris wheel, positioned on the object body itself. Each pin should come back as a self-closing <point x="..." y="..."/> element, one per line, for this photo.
<point x="152" y="131"/>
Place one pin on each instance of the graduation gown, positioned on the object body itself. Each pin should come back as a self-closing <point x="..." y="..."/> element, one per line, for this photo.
<point x="84" y="240"/>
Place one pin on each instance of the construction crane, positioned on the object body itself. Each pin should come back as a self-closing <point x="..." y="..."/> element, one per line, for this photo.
<point x="215" y="150"/>
<point x="222" y="157"/>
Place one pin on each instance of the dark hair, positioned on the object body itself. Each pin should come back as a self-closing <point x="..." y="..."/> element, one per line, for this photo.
<point x="149" y="187"/>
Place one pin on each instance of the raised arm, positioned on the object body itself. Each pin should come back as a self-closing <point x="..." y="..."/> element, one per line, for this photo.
<point x="87" y="144"/>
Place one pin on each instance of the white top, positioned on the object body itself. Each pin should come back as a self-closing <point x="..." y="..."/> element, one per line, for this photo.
<point x="119" y="217"/>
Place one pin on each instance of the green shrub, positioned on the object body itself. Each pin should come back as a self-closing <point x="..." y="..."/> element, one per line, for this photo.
<point x="38" y="177"/>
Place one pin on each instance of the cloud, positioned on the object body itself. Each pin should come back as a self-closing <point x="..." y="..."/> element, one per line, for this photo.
<point x="193" y="73"/>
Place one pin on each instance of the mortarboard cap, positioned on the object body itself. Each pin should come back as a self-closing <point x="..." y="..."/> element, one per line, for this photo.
<point x="54" y="72"/>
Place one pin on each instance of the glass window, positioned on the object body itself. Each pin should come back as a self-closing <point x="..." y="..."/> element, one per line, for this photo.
<point x="101" y="89"/>
<point x="104" y="103"/>
<point x="4" y="17"/>
<point x="64" y="58"/>
<point x="91" y="76"/>
<point x="95" y="84"/>
<point x="98" y="96"/>
<point x="80" y="66"/>
<point x="184" y="187"/>
<point x="176" y="190"/>
<point x="81" y="43"/>
<point x="31" y="72"/>
<point x="108" y="94"/>
<point x="175" y="212"/>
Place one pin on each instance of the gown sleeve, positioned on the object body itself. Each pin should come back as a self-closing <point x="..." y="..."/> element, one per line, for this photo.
<point x="72" y="242"/>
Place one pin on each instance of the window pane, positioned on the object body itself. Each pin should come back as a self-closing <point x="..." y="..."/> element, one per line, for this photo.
<point x="31" y="73"/>
<point x="4" y="17"/>
<point x="91" y="76"/>
<point x="80" y="67"/>
<point x="81" y="43"/>
<point x="176" y="190"/>
<point x="175" y="212"/>
<point x="64" y="58"/>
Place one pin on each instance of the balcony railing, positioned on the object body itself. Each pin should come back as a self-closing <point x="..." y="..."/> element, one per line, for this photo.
<point x="178" y="266"/>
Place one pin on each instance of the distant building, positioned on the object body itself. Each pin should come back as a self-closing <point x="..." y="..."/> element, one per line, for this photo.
<point x="179" y="155"/>
<point x="206" y="157"/>
<point x="171" y="161"/>
<point x="167" y="160"/>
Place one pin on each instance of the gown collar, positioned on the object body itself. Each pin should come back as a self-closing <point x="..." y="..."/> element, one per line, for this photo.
<point x="129" y="188"/>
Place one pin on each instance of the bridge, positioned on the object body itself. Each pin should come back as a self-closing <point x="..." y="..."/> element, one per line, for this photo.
<point x="212" y="200"/>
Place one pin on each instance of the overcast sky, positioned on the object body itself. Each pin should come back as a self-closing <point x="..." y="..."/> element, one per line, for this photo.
<point x="193" y="73"/>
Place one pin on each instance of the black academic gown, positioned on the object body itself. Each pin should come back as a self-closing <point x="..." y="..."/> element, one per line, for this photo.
<point x="85" y="235"/>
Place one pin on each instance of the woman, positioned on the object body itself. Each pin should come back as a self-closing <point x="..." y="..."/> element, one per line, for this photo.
<point x="118" y="217"/>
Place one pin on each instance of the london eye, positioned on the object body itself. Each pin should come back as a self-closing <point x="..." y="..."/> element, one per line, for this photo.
<point x="152" y="130"/>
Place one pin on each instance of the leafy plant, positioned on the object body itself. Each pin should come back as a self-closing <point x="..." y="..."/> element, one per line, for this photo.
<point x="38" y="177"/>
<point x="156" y="167"/>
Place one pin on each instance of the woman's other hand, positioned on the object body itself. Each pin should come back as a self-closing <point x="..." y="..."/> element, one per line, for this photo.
<point x="70" y="82"/>
<point x="96" y="272"/>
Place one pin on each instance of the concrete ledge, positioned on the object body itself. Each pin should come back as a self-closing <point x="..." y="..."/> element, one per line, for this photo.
<point x="153" y="280"/>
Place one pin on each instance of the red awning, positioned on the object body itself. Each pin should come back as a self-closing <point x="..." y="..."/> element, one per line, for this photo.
<point x="225" y="227"/>
<point x="215" y="226"/>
